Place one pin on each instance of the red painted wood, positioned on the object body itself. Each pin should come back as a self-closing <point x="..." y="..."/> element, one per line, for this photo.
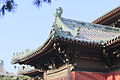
<point x="59" y="78"/>
<point x="95" y="76"/>
<point x="88" y="76"/>
<point x="113" y="75"/>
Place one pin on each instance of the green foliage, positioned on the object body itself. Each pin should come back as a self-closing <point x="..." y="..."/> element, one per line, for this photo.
<point x="8" y="77"/>
<point x="10" y="5"/>
<point x="7" y="5"/>
<point x="39" y="2"/>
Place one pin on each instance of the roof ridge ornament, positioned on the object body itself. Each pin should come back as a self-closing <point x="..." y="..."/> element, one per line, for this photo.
<point x="57" y="24"/>
<point x="59" y="12"/>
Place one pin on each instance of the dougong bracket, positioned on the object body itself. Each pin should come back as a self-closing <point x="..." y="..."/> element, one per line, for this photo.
<point x="108" y="58"/>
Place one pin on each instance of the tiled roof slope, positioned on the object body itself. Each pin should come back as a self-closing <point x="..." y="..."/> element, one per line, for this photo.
<point x="88" y="32"/>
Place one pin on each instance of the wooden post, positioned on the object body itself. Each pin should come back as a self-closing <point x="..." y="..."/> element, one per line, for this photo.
<point x="68" y="72"/>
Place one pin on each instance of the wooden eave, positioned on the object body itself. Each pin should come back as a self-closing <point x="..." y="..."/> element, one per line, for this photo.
<point x="79" y="43"/>
<point x="114" y="45"/>
<point x="37" y="53"/>
<point x="107" y="18"/>
<point x="48" y="47"/>
<point x="33" y="73"/>
<point x="112" y="42"/>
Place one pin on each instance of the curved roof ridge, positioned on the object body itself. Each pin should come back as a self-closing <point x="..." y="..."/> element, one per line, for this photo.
<point x="89" y="25"/>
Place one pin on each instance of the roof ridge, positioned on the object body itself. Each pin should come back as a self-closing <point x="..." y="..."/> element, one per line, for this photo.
<point x="91" y="25"/>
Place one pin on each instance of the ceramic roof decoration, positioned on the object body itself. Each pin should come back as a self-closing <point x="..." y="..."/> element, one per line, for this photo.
<point x="77" y="31"/>
<point x="82" y="31"/>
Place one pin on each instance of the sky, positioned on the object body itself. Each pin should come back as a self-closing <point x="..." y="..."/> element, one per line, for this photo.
<point x="28" y="27"/>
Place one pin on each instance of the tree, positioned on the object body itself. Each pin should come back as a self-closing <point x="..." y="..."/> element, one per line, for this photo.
<point x="9" y="77"/>
<point x="9" y="5"/>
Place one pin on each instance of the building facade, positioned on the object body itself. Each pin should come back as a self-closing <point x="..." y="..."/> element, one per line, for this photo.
<point x="77" y="50"/>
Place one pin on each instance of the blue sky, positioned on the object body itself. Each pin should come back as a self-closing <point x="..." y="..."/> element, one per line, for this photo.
<point x="28" y="27"/>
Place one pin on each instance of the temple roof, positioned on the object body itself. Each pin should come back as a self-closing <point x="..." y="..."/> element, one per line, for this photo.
<point x="109" y="17"/>
<point x="87" y="32"/>
<point x="76" y="31"/>
<point x="29" y="71"/>
<point x="33" y="73"/>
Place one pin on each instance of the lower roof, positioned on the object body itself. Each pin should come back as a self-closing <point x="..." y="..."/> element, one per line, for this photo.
<point x="33" y="73"/>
